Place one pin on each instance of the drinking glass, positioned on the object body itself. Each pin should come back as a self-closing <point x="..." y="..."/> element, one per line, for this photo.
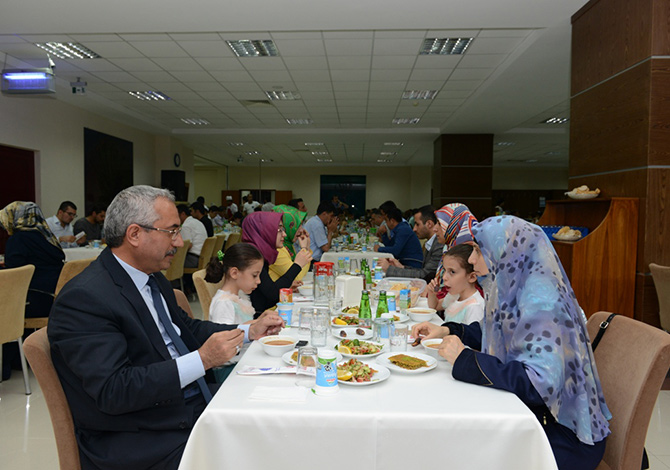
<point x="399" y="333"/>
<point x="305" y="370"/>
<point x="305" y="320"/>
<point x="319" y="327"/>
<point x="354" y="266"/>
<point x="381" y="330"/>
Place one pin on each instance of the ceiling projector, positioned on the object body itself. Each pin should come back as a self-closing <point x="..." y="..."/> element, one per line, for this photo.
<point x="28" y="81"/>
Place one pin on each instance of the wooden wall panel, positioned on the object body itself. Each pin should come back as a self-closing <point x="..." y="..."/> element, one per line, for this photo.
<point x="659" y="120"/>
<point x="657" y="223"/>
<point x="466" y="149"/>
<point x="609" y="124"/>
<point x="660" y="29"/>
<point x="646" y="300"/>
<point x="609" y="36"/>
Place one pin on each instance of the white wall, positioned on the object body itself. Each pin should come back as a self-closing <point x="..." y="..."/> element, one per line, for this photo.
<point x="208" y="182"/>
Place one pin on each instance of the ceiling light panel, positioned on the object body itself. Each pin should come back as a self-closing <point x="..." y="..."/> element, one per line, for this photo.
<point x="419" y="94"/>
<point x="195" y="121"/>
<point x="444" y="46"/>
<point x="149" y="95"/>
<point x="299" y="122"/>
<point x="313" y="143"/>
<point x="67" y="50"/>
<point x="394" y="144"/>
<point x="555" y="120"/>
<point x="406" y="120"/>
<point x="282" y="95"/>
<point x="319" y="153"/>
<point x="254" y="48"/>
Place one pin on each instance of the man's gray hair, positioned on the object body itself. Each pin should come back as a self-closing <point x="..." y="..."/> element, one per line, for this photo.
<point x="133" y="205"/>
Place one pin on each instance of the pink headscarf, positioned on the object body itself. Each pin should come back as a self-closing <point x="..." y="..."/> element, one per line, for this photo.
<point x="260" y="230"/>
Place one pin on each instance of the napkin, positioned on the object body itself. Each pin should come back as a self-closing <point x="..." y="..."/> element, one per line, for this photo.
<point x="279" y="394"/>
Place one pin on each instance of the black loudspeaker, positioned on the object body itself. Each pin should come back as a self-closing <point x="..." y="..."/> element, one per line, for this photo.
<point x="175" y="181"/>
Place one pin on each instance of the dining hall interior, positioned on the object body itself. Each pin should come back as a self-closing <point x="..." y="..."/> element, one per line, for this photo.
<point x="484" y="103"/>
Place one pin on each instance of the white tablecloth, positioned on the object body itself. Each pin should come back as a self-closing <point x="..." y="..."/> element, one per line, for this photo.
<point x="81" y="252"/>
<point x="331" y="256"/>
<point x="425" y="420"/>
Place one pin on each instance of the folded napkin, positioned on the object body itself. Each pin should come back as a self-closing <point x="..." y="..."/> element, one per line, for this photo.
<point x="279" y="394"/>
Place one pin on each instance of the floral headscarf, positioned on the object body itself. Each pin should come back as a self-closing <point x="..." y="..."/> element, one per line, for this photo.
<point x="260" y="230"/>
<point x="456" y="221"/>
<point x="26" y="216"/>
<point x="292" y="218"/>
<point x="532" y="316"/>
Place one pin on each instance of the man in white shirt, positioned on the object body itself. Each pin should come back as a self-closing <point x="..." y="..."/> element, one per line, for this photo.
<point x="250" y="205"/>
<point x="231" y="209"/>
<point x="191" y="229"/>
<point x="61" y="225"/>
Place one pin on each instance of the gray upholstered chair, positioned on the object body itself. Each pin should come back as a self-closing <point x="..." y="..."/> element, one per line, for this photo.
<point x="205" y="290"/>
<point x="661" y="275"/>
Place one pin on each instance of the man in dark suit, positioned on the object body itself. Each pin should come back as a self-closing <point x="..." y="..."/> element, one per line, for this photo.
<point x="131" y="362"/>
<point x="424" y="227"/>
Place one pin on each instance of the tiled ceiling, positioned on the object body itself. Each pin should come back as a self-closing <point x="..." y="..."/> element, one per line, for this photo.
<point x="350" y="84"/>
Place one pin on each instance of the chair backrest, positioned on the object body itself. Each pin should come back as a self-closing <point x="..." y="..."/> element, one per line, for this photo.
<point x="176" y="269"/>
<point x="182" y="301"/>
<point x="206" y="252"/>
<point x="14" y="284"/>
<point x="661" y="275"/>
<point x="232" y="239"/>
<point x="632" y="360"/>
<point x="70" y="270"/>
<point x="205" y="290"/>
<point x="38" y="353"/>
<point x="218" y="246"/>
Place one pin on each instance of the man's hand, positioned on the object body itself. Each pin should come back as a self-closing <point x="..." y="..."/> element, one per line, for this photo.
<point x="376" y="247"/>
<point x="66" y="239"/>
<point x="269" y="323"/>
<point x="221" y="347"/>
<point x="381" y="229"/>
<point x="332" y="225"/>
<point x="82" y="240"/>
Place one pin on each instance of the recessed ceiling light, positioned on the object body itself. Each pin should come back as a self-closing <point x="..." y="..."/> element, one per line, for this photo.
<point x="282" y="95"/>
<point x="444" y="46"/>
<point x="419" y="94"/>
<point x="506" y="144"/>
<point x="553" y="153"/>
<point x="67" y="50"/>
<point x="149" y="95"/>
<point x="393" y="143"/>
<point x="301" y="122"/>
<point x="406" y="120"/>
<point x="236" y="144"/>
<point x="313" y="143"/>
<point x="555" y="120"/>
<point x="324" y="160"/>
<point x="267" y="160"/>
<point x="388" y="153"/>
<point x="253" y="152"/>
<point x="254" y="48"/>
<point x="319" y="153"/>
<point x="384" y="160"/>
<point x="195" y="121"/>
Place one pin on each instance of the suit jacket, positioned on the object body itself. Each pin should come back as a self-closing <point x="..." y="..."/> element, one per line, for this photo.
<point x="431" y="260"/>
<point x="121" y="383"/>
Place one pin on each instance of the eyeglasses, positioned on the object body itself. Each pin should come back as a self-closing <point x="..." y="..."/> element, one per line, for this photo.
<point x="72" y="214"/>
<point x="281" y="229"/>
<point x="174" y="233"/>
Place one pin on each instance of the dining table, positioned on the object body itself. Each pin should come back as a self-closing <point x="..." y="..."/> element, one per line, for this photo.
<point x="81" y="252"/>
<point x="332" y="256"/>
<point x="410" y="420"/>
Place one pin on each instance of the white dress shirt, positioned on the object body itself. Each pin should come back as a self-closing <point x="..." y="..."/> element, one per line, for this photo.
<point x="60" y="231"/>
<point x="194" y="230"/>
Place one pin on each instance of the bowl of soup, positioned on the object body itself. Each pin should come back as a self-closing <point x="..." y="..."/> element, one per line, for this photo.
<point x="277" y="345"/>
<point x="431" y="346"/>
<point x="420" y="314"/>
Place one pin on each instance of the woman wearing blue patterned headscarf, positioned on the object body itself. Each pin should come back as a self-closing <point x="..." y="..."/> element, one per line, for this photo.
<point x="534" y="341"/>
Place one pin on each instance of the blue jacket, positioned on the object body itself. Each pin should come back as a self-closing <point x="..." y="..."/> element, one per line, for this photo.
<point x="406" y="247"/>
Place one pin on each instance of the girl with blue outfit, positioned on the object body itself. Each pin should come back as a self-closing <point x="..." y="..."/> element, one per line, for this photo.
<point x="533" y="341"/>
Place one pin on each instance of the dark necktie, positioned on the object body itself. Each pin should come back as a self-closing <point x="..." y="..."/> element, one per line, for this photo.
<point x="176" y="339"/>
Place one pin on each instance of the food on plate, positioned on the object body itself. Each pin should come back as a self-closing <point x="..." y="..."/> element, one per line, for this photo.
<point x="343" y="334"/>
<point x="343" y="320"/>
<point x="407" y="362"/>
<point x="357" y="347"/>
<point x="306" y="361"/>
<point x="350" y="310"/>
<point x="279" y="342"/>
<point x="567" y="232"/>
<point x="584" y="190"/>
<point x="360" y="372"/>
<point x="360" y="331"/>
<point x="398" y="286"/>
<point x="343" y="349"/>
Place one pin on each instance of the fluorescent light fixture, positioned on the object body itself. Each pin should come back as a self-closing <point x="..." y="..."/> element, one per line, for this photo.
<point x="506" y="144"/>
<point x="313" y="143"/>
<point x="300" y="122"/>
<point x="254" y="48"/>
<point x="324" y="160"/>
<point x="553" y="153"/>
<point x="149" y="95"/>
<point x="555" y="120"/>
<point x="195" y="121"/>
<point x="68" y="50"/>
<point x="266" y="160"/>
<point x="28" y="81"/>
<point x="236" y="144"/>
<point x="388" y="153"/>
<point x="384" y="160"/>
<point x="253" y="152"/>
<point x="319" y="153"/>
<point x="282" y="95"/>
<point x="396" y="144"/>
<point x="444" y="46"/>
<point x="419" y="94"/>
<point x="406" y="120"/>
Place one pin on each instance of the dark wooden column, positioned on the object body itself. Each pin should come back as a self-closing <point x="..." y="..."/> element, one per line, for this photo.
<point x="620" y="120"/>
<point x="462" y="172"/>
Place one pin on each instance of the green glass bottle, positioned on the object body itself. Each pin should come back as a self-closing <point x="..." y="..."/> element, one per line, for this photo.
<point x="368" y="276"/>
<point x="364" y="312"/>
<point x="382" y="305"/>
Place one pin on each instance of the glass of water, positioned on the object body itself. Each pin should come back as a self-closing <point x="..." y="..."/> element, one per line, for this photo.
<point x="305" y="369"/>
<point x="398" y="337"/>
<point x="319" y="327"/>
<point x="305" y="320"/>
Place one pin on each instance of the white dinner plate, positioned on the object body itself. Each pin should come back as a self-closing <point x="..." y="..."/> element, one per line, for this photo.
<point x="351" y="333"/>
<point x="402" y="318"/>
<point x="382" y="374"/>
<point x="362" y="356"/>
<point x="582" y="195"/>
<point x="383" y="359"/>
<point x="334" y="325"/>
<point x="287" y="358"/>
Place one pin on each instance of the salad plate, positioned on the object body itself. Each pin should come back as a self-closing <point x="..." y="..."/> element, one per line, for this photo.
<point x="381" y="373"/>
<point x="359" y="349"/>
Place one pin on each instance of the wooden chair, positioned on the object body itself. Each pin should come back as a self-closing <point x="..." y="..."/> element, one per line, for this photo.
<point x="218" y="246"/>
<point x="13" y="293"/>
<point x="205" y="290"/>
<point x="182" y="301"/>
<point x="70" y="270"/>
<point x="661" y="275"/>
<point x="232" y="239"/>
<point x="632" y="360"/>
<point x="205" y="255"/>
<point x="38" y="352"/>
<point x="176" y="269"/>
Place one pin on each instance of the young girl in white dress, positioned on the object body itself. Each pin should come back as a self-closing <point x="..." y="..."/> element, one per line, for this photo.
<point x="239" y="267"/>
<point x="464" y="303"/>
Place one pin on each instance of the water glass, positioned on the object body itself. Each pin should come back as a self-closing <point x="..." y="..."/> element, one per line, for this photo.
<point x="305" y="370"/>
<point x="335" y="304"/>
<point x="381" y="330"/>
<point x="319" y="327"/>
<point x="399" y="333"/>
<point x="305" y="320"/>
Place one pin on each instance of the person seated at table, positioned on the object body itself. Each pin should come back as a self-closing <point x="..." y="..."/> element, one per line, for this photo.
<point x="339" y="205"/>
<point x="406" y="247"/>
<point x="215" y="216"/>
<point x="237" y="219"/>
<point x="61" y="225"/>
<point x="131" y="362"/>
<point x="424" y="227"/>
<point x="31" y="242"/>
<point x="91" y="225"/>
<point x="199" y="212"/>
<point x="192" y="230"/>
<point x="464" y="304"/>
<point x="533" y="340"/>
<point x="383" y="230"/>
<point x="266" y="232"/>
<point x="322" y="229"/>
<point x="298" y="203"/>
<point x="296" y="234"/>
